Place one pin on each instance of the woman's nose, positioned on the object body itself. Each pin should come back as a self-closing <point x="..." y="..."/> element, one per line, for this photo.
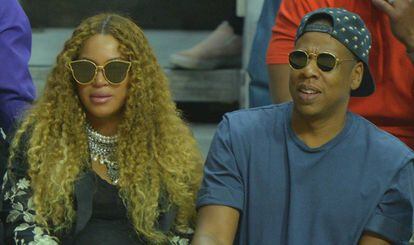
<point x="100" y="79"/>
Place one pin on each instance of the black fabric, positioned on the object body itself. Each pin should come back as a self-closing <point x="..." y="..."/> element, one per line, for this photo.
<point x="18" y="168"/>
<point x="108" y="232"/>
<point x="84" y="200"/>
<point x="108" y="223"/>
<point x="107" y="203"/>
<point x="236" y="23"/>
<point x="4" y="153"/>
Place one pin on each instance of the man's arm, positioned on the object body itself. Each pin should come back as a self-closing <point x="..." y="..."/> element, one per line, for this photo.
<point x="279" y="82"/>
<point x="221" y="196"/>
<point x="216" y="225"/>
<point x="372" y="239"/>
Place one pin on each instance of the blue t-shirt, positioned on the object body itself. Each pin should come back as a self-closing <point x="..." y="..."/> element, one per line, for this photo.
<point x="288" y="193"/>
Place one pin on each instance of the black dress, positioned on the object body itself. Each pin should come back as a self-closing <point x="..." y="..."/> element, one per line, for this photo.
<point x="109" y="223"/>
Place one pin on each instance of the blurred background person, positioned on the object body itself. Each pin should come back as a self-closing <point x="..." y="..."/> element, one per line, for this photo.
<point x="17" y="90"/>
<point x="257" y="69"/>
<point x="16" y="87"/>
<point x="222" y="48"/>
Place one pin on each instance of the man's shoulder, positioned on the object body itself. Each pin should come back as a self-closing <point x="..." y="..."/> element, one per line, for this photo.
<point x="263" y="113"/>
<point x="256" y="120"/>
<point x="380" y="140"/>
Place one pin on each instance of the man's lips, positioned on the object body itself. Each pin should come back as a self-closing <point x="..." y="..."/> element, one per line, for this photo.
<point x="308" y="93"/>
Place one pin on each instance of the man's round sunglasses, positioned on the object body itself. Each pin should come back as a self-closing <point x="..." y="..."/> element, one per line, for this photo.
<point x="85" y="71"/>
<point x="299" y="59"/>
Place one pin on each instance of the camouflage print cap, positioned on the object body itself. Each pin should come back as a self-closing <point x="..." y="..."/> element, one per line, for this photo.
<point x="349" y="29"/>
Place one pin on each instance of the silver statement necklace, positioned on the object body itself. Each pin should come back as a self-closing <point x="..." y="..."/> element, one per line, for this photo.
<point x="102" y="149"/>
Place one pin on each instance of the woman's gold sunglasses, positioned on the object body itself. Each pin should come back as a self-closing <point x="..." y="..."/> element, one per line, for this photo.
<point x="85" y="71"/>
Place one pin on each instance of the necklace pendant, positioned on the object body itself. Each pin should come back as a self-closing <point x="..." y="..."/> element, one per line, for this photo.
<point x="102" y="150"/>
<point x="113" y="174"/>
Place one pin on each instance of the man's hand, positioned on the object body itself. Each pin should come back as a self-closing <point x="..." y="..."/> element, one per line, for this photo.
<point x="401" y="13"/>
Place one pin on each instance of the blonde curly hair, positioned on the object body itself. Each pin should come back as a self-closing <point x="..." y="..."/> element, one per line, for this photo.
<point x="156" y="151"/>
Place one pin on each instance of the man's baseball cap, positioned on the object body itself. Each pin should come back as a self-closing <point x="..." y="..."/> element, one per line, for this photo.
<point x="349" y="29"/>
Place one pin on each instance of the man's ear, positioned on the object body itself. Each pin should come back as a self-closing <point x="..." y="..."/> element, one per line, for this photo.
<point x="356" y="76"/>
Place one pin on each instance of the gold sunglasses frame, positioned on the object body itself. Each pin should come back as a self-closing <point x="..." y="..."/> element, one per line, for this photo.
<point x="309" y="55"/>
<point x="97" y="69"/>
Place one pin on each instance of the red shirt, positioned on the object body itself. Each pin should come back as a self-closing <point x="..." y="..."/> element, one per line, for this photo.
<point x="391" y="107"/>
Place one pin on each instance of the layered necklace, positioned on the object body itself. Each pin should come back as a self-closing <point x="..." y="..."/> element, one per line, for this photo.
<point x="103" y="150"/>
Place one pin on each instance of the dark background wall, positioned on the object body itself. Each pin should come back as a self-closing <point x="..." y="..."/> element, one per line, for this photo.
<point x="149" y="14"/>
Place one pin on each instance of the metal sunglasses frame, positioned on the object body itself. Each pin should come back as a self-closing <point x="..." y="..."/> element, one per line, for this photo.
<point x="97" y="69"/>
<point x="308" y="55"/>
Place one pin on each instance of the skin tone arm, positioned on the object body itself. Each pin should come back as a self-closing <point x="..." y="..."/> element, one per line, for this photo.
<point x="216" y="225"/>
<point x="372" y="239"/>
<point x="279" y="83"/>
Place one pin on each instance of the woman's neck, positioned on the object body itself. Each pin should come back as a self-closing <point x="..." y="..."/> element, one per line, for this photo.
<point x="104" y="126"/>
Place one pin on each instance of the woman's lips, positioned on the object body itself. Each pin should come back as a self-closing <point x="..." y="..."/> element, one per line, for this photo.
<point x="100" y="98"/>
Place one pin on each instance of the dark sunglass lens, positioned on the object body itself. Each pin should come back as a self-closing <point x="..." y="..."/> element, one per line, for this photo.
<point x="116" y="71"/>
<point x="326" y="62"/>
<point x="83" y="71"/>
<point x="298" y="59"/>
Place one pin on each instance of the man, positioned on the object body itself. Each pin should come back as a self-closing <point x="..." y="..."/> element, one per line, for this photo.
<point x="392" y="29"/>
<point x="309" y="172"/>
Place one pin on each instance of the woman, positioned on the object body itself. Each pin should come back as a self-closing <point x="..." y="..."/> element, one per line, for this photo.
<point x="103" y="157"/>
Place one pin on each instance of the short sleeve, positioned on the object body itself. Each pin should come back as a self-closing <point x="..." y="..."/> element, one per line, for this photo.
<point x="393" y="216"/>
<point x="222" y="183"/>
